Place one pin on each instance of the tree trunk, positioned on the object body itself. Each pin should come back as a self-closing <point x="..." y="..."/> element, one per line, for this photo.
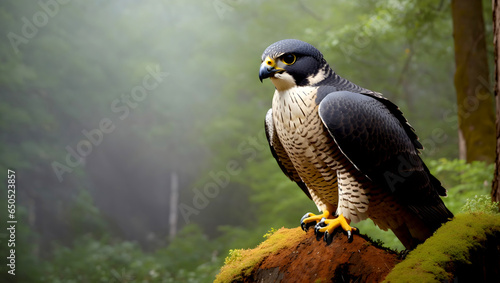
<point x="474" y="100"/>
<point x="495" y="192"/>
<point x="174" y="198"/>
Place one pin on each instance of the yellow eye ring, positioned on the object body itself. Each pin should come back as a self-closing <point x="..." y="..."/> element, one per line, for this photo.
<point x="288" y="59"/>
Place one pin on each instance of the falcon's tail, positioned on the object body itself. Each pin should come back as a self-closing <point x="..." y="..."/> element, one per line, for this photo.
<point x="421" y="220"/>
<point x="416" y="229"/>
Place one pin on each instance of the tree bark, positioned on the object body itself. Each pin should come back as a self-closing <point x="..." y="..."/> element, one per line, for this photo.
<point x="474" y="100"/>
<point x="495" y="192"/>
<point x="174" y="198"/>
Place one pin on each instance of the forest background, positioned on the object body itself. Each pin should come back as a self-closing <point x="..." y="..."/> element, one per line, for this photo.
<point x="136" y="128"/>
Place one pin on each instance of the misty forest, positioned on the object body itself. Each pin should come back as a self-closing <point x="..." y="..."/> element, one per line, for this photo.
<point x="136" y="128"/>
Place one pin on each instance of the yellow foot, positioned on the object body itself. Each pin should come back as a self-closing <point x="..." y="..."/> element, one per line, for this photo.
<point x="326" y="224"/>
<point x="311" y="219"/>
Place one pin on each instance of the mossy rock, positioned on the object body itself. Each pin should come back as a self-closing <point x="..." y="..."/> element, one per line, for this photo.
<point x="240" y="263"/>
<point x="290" y="255"/>
<point x="466" y="249"/>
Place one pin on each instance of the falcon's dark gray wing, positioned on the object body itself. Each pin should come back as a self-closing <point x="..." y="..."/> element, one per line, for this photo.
<point x="373" y="134"/>
<point x="280" y="154"/>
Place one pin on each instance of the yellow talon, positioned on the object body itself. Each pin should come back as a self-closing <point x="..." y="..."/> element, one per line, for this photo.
<point x="332" y="224"/>
<point x="315" y="218"/>
<point x="327" y="224"/>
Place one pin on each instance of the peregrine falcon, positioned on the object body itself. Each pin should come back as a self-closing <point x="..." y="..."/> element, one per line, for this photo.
<point x="348" y="148"/>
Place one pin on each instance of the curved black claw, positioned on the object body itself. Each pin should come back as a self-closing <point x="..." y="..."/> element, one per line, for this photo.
<point x="349" y="237"/>
<point x="318" y="235"/>
<point x="318" y="226"/>
<point x="354" y="231"/>
<point x="328" y="238"/>
<point x="305" y="226"/>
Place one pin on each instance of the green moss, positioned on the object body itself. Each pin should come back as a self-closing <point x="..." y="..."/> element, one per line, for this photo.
<point x="234" y="255"/>
<point x="270" y="233"/>
<point x="240" y="263"/>
<point x="449" y="248"/>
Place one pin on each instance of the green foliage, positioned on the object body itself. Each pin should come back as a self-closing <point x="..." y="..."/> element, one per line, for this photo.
<point x="91" y="260"/>
<point x="190" y="248"/>
<point x="96" y="256"/>
<point x="462" y="180"/>
<point x="480" y="204"/>
<point x="189" y="258"/>
<point x="85" y="217"/>
<point x="461" y="175"/>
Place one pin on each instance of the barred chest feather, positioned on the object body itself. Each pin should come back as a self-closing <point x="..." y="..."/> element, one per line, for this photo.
<point x="309" y="146"/>
<point x="293" y="106"/>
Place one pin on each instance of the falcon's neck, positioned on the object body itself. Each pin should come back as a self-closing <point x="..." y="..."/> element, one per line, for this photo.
<point x="327" y="77"/>
<point x="292" y="106"/>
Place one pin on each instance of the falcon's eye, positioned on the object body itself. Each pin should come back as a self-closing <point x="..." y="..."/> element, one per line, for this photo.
<point x="288" y="59"/>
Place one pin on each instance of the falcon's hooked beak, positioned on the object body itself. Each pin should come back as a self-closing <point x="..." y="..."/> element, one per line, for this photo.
<point x="268" y="68"/>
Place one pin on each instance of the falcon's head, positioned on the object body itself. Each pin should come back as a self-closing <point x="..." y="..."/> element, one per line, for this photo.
<point x="291" y="62"/>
